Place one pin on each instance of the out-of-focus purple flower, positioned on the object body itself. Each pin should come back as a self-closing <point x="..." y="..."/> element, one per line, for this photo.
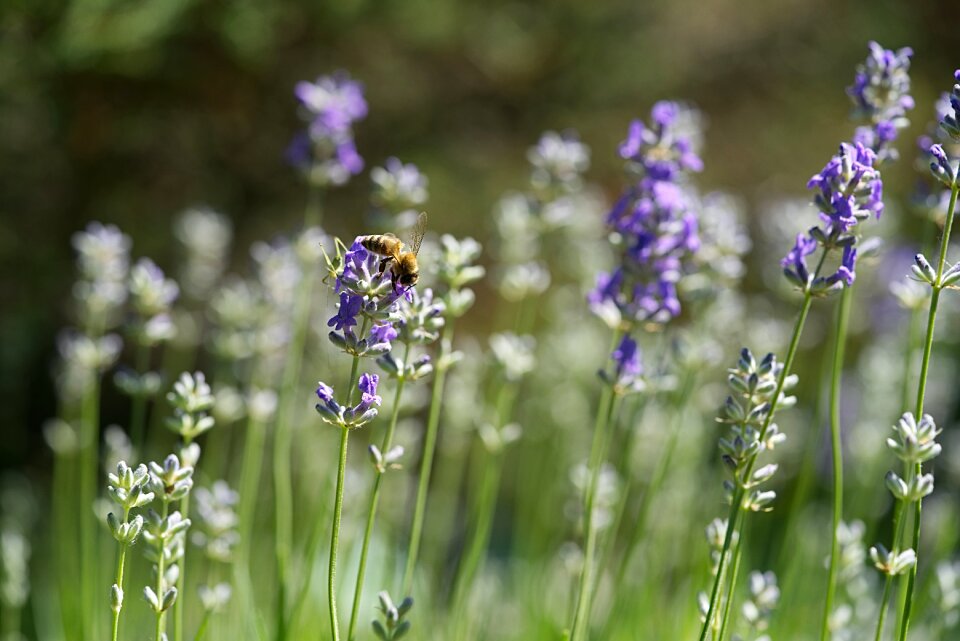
<point x="333" y="102"/>
<point x="881" y="95"/>
<point x="384" y="333"/>
<point x="654" y="220"/>
<point x="660" y="150"/>
<point x="626" y="358"/>
<point x="331" y="105"/>
<point x="559" y="160"/>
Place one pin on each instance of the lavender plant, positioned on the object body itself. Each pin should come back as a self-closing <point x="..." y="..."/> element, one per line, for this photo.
<point x="918" y="436"/>
<point x="654" y="233"/>
<point x="881" y="95"/>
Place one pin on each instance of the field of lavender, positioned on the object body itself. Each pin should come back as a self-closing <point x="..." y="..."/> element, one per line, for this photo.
<point x="638" y="410"/>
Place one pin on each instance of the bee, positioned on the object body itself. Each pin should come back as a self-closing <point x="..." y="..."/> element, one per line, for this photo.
<point x="404" y="268"/>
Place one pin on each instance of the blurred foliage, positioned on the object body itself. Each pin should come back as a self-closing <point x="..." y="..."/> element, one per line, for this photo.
<point x="129" y="111"/>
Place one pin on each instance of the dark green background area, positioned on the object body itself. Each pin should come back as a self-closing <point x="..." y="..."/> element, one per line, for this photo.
<point x="128" y="111"/>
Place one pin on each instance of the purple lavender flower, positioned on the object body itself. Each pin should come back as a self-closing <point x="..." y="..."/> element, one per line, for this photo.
<point x="654" y="220"/>
<point x="333" y="102"/>
<point x="353" y="417"/>
<point x="368" y="388"/>
<point x="950" y="123"/>
<point x="364" y="292"/>
<point x="347" y="310"/>
<point x="331" y="106"/>
<point x="849" y="189"/>
<point x="626" y="358"/>
<point x="881" y="95"/>
<point x="795" y="262"/>
<point x="383" y="333"/>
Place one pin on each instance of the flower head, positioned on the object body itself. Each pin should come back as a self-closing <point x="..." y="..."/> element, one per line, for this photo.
<point x="326" y="151"/>
<point x="881" y="95"/>
<point x="654" y="226"/>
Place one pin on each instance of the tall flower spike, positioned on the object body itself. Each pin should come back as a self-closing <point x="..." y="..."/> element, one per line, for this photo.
<point x="881" y="95"/>
<point x="653" y="223"/>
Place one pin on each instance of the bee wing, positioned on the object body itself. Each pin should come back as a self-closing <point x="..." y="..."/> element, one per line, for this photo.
<point x="416" y="236"/>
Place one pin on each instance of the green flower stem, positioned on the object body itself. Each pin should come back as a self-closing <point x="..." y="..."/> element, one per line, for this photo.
<point x="836" y="444"/>
<point x="121" y="557"/>
<point x="181" y="579"/>
<point x="899" y="523"/>
<point x="288" y="403"/>
<point x="426" y="461"/>
<point x="375" y="499"/>
<point x="605" y="411"/>
<point x="484" y="507"/>
<point x="736" y="504"/>
<point x="250" y="471"/>
<point x="160" y="571"/>
<point x="659" y="473"/>
<point x="89" y="455"/>
<point x="202" y="630"/>
<point x="921" y="391"/>
<point x="335" y="536"/>
<point x="313" y="544"/>
<point x="734" y="573"/>
<point x="138" y="407"/>
<point x="338" y="506"/>
<point x="480" y="538"/>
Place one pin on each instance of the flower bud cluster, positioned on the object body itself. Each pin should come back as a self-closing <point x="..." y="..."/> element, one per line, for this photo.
<point x="217" y="520"/>
<point x="191" y="399"/>
<point x="103" y="260"/>
<point x="84" y="357"/>
<point x="130" y="489"/>
<point x="764" y="596"/>
<point x="626" y="374"/>
<point x="747" y="411"/>
<point x="942" y="166"/>
<point x="559" y="161"/>
<point x="152" y="295"/>
<point x="515" y="355"/>
<point x="205" y="236"/>
<point x="914" y="443"/>
<point x="365" y="291"/>
<point x="326" y="151"/>
<point x="171" y="481"/>
<point x="848" y="191"/>
<point x="165" y="536"/>
<point x="398" y="188"/>
<point x="881" y="95"/>
<point x="350" y="417"/>
<point x="394" y="625"/>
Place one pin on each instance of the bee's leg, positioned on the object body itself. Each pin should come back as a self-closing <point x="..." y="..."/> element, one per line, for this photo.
<point x="383" y="265"/>
<point x="393" y="280"/>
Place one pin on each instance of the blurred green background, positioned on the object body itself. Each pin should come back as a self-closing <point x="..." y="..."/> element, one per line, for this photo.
<point x="130" y="111"/>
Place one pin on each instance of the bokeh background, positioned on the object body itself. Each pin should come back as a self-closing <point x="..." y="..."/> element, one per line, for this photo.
<point x="129" y="112"/>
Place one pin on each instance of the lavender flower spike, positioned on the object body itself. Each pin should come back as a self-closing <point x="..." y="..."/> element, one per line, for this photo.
<point x="881" y="95"/>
